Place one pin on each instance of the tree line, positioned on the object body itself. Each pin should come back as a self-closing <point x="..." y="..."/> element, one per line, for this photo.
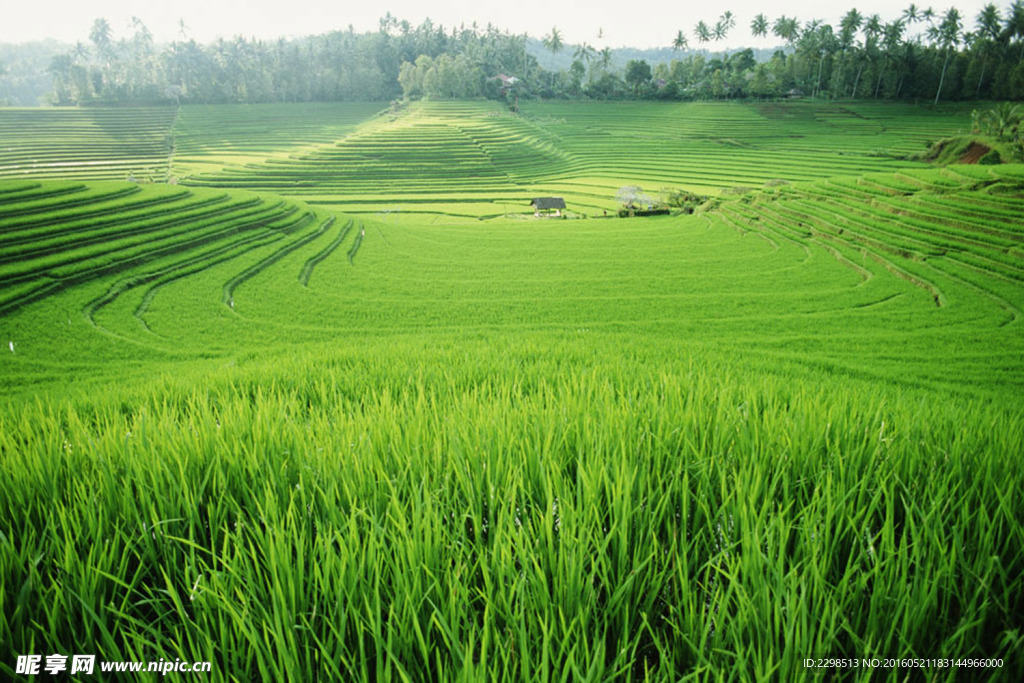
<point x="917" y="55"/>
<point x="335" y="66"/>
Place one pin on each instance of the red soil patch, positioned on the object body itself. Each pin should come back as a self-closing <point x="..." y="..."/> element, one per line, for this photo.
<point x="974" y="151"/>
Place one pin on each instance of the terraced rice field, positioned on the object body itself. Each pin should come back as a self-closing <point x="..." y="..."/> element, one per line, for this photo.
<point x="495" y="162"/>
<point x="308" y="417"/>
<point x="210" y="137"/>
<point x="86" y="143"/>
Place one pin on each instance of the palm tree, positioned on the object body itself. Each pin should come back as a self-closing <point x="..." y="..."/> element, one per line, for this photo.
<point x="946" y="35"/>
<point x="581" y="59"/>
<point x="759" y="26"/>
<point x="702" y="32"/>
<point x="872" y="28"/>
<point x="680" y="43"/>
<point x="80" y="52"/>
<point x="1004" y="120"/>
<point x="787" y="28"/>
<point x="584" y="53"/>
<point x="602" y="62"/>
<point x="1014" y="26"/>
<point x="988" y="23"/>
<point x="101" y="37"/>
<point x="911" y="15"/>
<point x="553" y="41"/>
<point x="848" y="27"/>
<point x="819" y="40"/>
<point x="724" y="24"/>
<point x="387" y="22"/>
<point x="892" y="36"/>
<point x="928" y="15"/>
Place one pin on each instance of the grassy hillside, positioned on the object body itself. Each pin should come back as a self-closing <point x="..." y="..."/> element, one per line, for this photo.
<point x="244" y="426"/>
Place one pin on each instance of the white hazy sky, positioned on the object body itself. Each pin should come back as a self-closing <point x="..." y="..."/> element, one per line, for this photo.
<point x="645" y="24"/>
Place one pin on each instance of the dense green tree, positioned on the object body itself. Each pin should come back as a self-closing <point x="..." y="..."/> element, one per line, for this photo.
<point x="577" y="72"/>
<point x="719" y="88"/>
<point x="761" y="85"/>
<point x="863" y="56"/>
<point x="638" y="75"/>
<point x="60" y="70"/>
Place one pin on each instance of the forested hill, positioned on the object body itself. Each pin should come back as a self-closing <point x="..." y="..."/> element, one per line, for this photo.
<point x="914" y="55"/>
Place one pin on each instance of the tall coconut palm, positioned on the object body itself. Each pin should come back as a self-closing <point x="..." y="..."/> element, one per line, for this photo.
<point x="680" y="43"/>
<point x="584" y="53"/>
<point x="101" y="36"/>
<point x="892" y="36"/>
<point x="702" y="32"/>
<point x="1014" y="27"/>
<point x="724" y="25"/>
<point x="987" y="23"/>
<point x="872" y="28"/>
<point x="582" y="56"/>
<point x="911" y="15"/>
<point x="387" y="22"/>
<point x="787" y="28"/>
<point x="80" y="52"/>
<point x="850" y="24"/>
<point x="553" y="41"/>
<point x="818" y="39"/>
<point x="759" y="26"/>
<point x="946" y="35"/>
<point x="848" y="27"/>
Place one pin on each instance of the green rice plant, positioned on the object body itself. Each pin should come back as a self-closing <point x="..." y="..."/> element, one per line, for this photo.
<point x="680" y="448"/>
<point x="632" y="521"/>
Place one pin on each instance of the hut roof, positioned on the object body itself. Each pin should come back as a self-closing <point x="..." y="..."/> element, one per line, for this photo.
<point x="548" y="203"/>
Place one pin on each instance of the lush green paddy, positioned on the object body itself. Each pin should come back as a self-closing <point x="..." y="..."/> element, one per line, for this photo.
<point x="336" y="406"/>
